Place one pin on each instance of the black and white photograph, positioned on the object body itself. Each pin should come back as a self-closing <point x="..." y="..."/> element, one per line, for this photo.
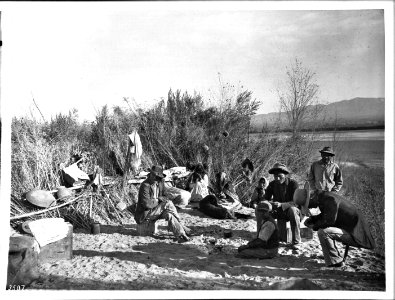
<point x="197" y="149"/>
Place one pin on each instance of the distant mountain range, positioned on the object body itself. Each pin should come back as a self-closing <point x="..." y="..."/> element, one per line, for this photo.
<point x="345" y="114"/>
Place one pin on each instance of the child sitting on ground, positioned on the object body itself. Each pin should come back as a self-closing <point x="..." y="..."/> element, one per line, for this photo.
<point x="266" y="243"/>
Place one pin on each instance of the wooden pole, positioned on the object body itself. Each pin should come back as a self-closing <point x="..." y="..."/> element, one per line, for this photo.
<point x="90" y="208"/>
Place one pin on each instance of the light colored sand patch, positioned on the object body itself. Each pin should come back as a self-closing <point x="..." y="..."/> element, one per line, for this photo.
<point x="118" y="259"/>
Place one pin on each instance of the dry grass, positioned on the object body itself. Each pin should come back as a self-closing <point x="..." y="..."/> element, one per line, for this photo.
<point x="365" y="188"/>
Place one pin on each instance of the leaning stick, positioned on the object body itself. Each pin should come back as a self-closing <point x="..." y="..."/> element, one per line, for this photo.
<point x="44" y="210"/>
<point x="112" y="204"/>
<point x="90" y="208"/>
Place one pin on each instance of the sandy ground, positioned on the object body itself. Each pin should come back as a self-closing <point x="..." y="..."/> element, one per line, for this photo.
<point x="118" y="259"/>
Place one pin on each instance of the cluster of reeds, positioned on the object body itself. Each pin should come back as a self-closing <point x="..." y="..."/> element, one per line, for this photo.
<point x="365" y="188"/>
<point x="173" y="132"/>
<point x="35" y="160"/>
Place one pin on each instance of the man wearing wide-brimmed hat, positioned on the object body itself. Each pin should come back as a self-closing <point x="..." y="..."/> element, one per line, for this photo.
<point x="281" y="191"/>
<point x="325" y="175"/>
<point x="339" y="220"/>
<point x="266" y="243"/>
<point x="152" y="204"/>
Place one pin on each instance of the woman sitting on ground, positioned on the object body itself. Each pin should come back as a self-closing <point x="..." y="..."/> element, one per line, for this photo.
<point x="198" y="184"/>
<point x="224" y="202"/>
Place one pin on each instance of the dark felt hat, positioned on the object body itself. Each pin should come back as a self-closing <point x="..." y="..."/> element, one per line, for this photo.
<point x="279" y="168"/>
<point x="158" y="171"/>
<point x="328" y="150"/>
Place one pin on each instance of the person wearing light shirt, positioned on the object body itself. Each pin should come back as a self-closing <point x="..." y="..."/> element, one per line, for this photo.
<point x="325" y="175"/>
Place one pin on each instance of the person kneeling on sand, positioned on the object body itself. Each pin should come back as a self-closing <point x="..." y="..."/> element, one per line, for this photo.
<point x="339" y="220"/>
<point x="152" y="205"/>
<point x="266" y="243"/>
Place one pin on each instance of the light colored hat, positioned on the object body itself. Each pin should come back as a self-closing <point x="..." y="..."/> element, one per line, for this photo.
<point x="279" y="167"/>
<point x="264" y="205"/>
<point x="302" y="198"/>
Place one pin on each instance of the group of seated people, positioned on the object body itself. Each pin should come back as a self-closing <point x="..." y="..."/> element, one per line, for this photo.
<point x="281" y="198"/>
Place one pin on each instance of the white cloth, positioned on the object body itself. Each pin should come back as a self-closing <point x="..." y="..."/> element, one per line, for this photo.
<point x="75" y="172"/>
<point x="136" y="150"/>
<point x="199" y="189"/>
<point x="179" y="197"/>
<point x="135" y="147"/>
<point x="48" y="230"/>
<point x="266" y="231"/>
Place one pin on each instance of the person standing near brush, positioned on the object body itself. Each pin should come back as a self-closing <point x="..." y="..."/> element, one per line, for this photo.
<point x="325" y="175"/>
<point x="152" y="205"/>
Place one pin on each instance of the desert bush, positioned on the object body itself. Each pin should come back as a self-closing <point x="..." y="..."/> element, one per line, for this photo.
<point x="35" y="161"/>
<point x="173" y="132"/>
<point x="110" y="138"/>
<point x="365" y="188"/>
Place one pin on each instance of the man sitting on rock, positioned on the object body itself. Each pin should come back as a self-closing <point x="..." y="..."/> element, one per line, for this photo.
<point x="281" y="192"/>
<point x="152" y="205"/>
<point x="339" y="220"/>
<point x="265" y="245"/>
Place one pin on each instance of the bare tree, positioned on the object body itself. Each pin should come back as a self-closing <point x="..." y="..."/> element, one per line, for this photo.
<point x="299" y="96"/>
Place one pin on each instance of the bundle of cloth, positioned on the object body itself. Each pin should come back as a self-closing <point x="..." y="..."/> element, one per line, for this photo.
<point x="223" y="202"/>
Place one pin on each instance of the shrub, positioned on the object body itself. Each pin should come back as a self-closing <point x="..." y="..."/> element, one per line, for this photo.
<point x="173" y="132"/>
<point x="365" y="188"/>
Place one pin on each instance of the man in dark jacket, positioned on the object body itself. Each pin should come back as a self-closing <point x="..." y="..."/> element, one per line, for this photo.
<point x="281" y="191"/>
<point x="339" y="220"/>
<point x="265" y="245"/>
<point x="152" y="205"/>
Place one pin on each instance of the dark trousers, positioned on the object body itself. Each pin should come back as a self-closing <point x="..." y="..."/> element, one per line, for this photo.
<point x="210" y="207"/>
<point x="293" y="215"/>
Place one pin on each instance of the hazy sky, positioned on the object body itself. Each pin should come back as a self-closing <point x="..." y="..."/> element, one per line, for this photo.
<point x="85" y="56"/>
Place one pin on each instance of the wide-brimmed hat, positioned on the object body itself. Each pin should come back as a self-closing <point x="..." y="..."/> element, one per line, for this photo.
<point x="158" y="171"/>
<point x="264" y="205"/>
<point x="302" y="197"/>
<point x="328" y="150"/>
<point x="279" y="167"/>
